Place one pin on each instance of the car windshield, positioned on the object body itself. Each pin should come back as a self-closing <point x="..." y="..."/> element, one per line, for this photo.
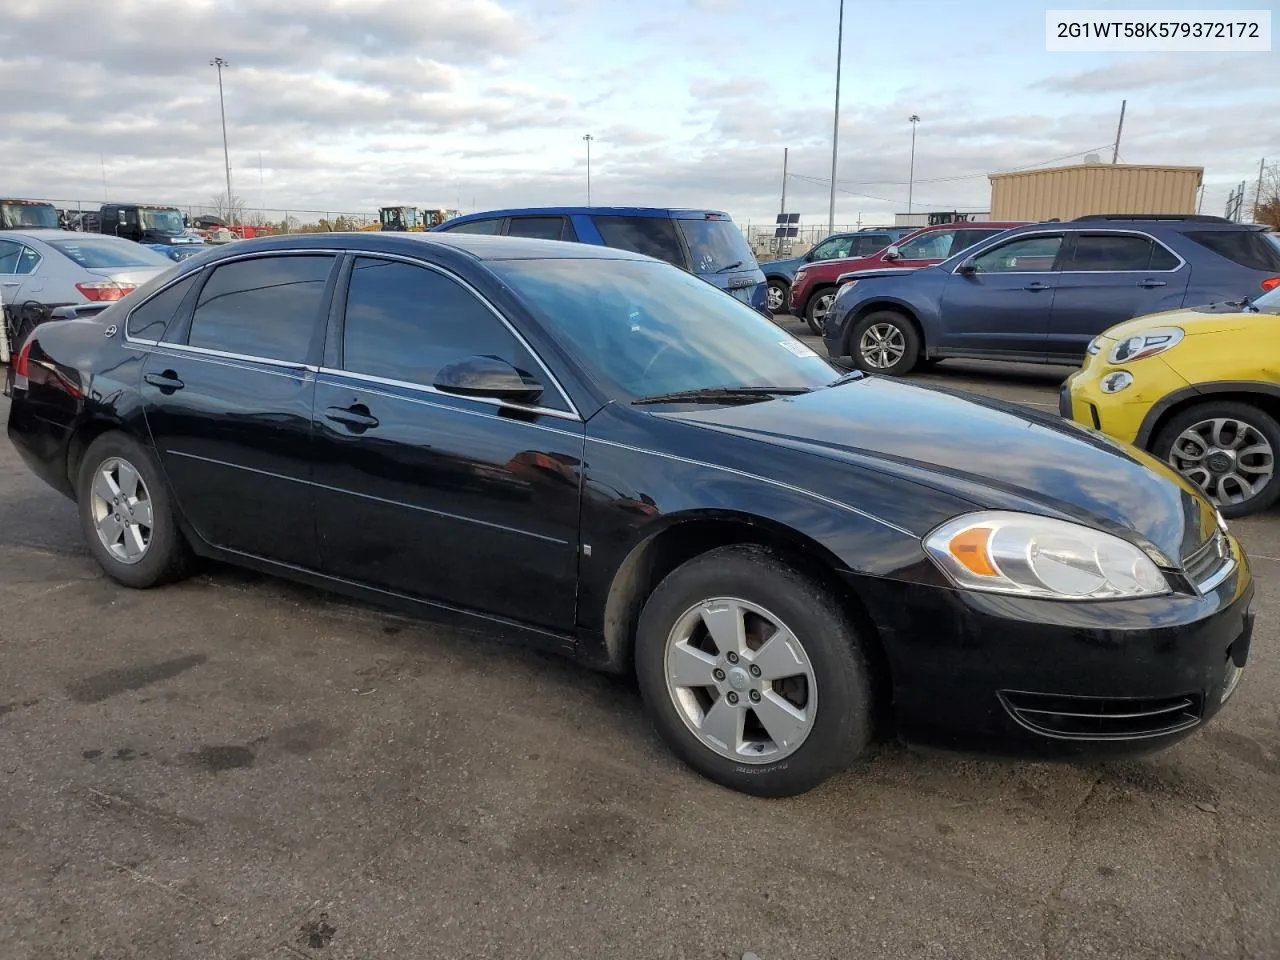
<point x="106" y="252"/>
<point x="162" y="221"/>
<point x="644" y="329"/>
<point x="19" y="215"/>
<point x="716" y="245"/>
<point x="928" y="246"/>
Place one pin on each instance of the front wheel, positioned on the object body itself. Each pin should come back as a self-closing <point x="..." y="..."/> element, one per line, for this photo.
<point x="885" y="341"/>
<point x="815" y="313"/>
<point x="1227" y="449"/>
<point x="752" y="673"/>
<point x="777" y="296"/>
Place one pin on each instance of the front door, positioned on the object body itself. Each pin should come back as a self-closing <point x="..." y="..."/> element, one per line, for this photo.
<point x="455" y="500"/>
<point x="1110" y="277"/>
<point x="228" y="402"/>
<point x="1000" y="302"/>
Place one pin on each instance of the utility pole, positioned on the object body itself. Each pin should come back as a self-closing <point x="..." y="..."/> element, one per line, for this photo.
<point x="262" y="191"/>
<point x="1257" y="193"/>
<point x="226" y="155"/>
<point x="588" y="138"/>
<point x="1200" y="205"/>
<point x="911" y="173"/>
<point x="102" y="159"/>
<point x="1115" y="152"/>
<point x="786" y="151"/>
<point x="835" y="124"/>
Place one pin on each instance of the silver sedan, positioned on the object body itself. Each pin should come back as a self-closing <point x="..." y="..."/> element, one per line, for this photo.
<point x="59" y="267"/>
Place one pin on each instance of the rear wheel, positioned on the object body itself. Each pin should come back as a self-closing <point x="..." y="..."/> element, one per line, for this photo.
<point x="127" y="515"/>
<point x="815" y="314"/>
<point x="752" y="673"/>
<point x="885" y="341"/>
<point x="1227" y="449"/>
<point x="777" y="294"/>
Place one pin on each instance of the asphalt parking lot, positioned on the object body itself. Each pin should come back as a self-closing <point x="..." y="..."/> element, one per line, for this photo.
<point x="237" y="767"/>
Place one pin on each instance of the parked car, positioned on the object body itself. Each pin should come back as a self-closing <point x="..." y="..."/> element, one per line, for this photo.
<point x="143" y="223"/>
<point x="1041" y="292"/>
<point x="27" y="214"/>
<point x="534" y="435"/>
<point x="814" y="286"/>
<point x="1199" y="389"/>
<point x="704" y="242"/>
<point x="56" y="267"/>
<point x="779" y="274"/>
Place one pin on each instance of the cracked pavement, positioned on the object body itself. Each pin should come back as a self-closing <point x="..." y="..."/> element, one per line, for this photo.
<point x="237" y="767"/>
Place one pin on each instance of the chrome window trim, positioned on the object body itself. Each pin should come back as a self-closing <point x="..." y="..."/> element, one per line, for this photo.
<point x="173" y="282"/>
<point x="432" y="391"/>
<point x="773" y="483"/>
<point x="1049" y="233"/>
<point x="572" y="412"/>
<point x="276" y="368"/>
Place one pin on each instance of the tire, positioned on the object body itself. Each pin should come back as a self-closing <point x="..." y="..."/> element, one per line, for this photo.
<point x="777" y="294"/>
<point x="830" y="715"/>
<point x="815" y="311"/>
<point x="105" y="473"/>
<point x="1243" y="426"/>
<point x="885" y="341"/>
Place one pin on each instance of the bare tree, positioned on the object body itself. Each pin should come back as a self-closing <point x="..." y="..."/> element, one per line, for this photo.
<point x="1267" y="209"/>
<point x="228" y="213"/>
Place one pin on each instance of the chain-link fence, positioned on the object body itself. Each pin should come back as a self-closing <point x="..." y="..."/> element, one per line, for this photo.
<point x="79" y="214"/>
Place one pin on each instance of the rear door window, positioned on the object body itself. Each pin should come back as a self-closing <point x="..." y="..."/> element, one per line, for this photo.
<point x="477" y="226"/>
<point x="1098" y="252"/>
<point x="652" y="236"/>
<point x="866" y="244"/>
<point x="541" y="228"/>
<point x="967" y="238"/>
<point x="17" y="258"/>
<point x="148" y="320"/>
<point x="1248" y="248"/>
<point x="928" y="246"/>
<point x="269" y="307"/>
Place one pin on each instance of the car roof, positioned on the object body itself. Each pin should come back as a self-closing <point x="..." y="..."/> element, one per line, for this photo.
<point x="39" y="233"/>
<point x="1148" y="223"/>
<point x="676" y="213"/>
<point x="478" y="246"/>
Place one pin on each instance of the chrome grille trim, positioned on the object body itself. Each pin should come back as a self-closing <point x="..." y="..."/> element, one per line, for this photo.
<point x="1210" y="564"/>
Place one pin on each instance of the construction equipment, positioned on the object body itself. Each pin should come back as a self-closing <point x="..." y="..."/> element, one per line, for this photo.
<point x="399" y="218"/>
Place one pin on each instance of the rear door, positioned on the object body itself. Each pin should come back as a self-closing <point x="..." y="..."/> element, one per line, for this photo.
<point x="1004" y="306"/>
<point x="19" y="276"/>
<point x="541" y="228"/>
<point x="1109" y="277"/>
<point x="228" y="395"/>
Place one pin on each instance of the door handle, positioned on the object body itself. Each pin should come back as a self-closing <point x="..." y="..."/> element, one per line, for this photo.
<point x="356" y="417"/>
<point x="1037" y="285"/>
<point x="168" y="381"/>
<point x="1151" y="283"/>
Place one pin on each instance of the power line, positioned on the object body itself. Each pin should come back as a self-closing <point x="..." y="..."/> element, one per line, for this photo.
<point x="967" y="176"/>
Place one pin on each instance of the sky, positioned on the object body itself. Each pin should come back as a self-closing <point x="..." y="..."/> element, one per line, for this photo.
<point x="348" y="105"/>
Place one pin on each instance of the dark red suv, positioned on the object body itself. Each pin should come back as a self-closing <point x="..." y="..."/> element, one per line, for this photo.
<point x="814" y="285"/>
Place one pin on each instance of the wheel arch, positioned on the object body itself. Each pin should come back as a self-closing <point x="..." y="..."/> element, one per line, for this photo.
<point x="692" y="534"/>
<point x="82" y="437"/>
<point x="897" y="306"/>
<point x="1266" y="396"/>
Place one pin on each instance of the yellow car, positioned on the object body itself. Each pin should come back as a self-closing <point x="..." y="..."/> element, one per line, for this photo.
<point x="1198" y="388"/>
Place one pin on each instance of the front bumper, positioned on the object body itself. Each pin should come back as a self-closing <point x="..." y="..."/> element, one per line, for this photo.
<point x="1022" y="677"/>
<point x="1118" y="415"/>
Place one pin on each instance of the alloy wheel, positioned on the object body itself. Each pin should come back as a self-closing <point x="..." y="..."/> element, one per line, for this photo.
<point x="777" y="298"/>
<point x="120" y="506"/>
<point x="882" y="345"/>
<point x="1228" y="459"/>
<point x="821" y="308"/>
<point x="741" y="680"/>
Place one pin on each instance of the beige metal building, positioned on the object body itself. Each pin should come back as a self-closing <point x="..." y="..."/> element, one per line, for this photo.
<point x="1081" y="189"/>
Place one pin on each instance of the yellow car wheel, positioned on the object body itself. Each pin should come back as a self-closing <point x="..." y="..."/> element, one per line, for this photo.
<point x="1228" y="449"/>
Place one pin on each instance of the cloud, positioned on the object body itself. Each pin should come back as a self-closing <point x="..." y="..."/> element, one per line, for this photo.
<point x="1209" y="73"/>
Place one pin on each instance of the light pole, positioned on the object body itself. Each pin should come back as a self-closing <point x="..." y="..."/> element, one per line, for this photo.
<point x="835" y="124"/>
<point x="911" y="171"/>
<point x="588" y="138"/>
<point x="226" y="155"/>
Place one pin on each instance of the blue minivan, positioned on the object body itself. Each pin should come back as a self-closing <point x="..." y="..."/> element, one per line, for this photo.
<point x="707" y="243"/>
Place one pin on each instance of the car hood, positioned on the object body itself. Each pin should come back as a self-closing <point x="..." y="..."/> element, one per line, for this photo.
<point x="879" y="272"/>
<point x="1210" y="318"/>
<point x="986" y="453"/>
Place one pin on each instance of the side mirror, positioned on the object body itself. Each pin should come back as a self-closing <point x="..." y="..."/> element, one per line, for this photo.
<point x="968" y="267"/>
<point x="487" y="377"/>
<point x="892" y="253"/>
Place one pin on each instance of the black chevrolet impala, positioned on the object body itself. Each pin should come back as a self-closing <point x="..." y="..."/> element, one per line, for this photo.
<point x="626" y="465"/>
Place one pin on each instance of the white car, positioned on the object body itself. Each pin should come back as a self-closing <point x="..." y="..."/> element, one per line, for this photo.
<point x="60" y="267"/>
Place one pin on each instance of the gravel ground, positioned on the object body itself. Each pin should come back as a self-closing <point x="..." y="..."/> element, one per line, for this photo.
<point x="236" y="767"/>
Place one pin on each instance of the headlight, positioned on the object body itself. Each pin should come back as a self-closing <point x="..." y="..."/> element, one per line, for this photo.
<point x="1143" y="345"/>
<point x="1116" y="381"/>
<point x="1030" y="556"/>
<point x="847" y="285"/>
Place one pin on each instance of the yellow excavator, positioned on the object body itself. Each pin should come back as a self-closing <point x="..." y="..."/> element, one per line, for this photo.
<point x="407" y="219"/>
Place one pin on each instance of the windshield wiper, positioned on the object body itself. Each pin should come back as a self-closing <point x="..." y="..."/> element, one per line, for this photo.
<point x="732" y="266"/>
<point x="723" y="395"/>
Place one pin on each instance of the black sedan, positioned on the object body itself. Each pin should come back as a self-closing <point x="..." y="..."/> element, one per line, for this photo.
<point x="622" y="463"/>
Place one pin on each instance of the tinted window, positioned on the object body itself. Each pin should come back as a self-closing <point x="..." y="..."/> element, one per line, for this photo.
<point x="1111" y="251"/>
<point x="716" y="246"/>
<point x="868" y="243"/>
<point x="148" y="321"/>
<point x="1249" y="248"/>
<point x="540" y="228"/>
<point x="268" y="307"/>
<point x="106" y="253"/>
<point x="1162" y="258"/>
<point x="1021" y="255"/>
<point x="833" y="248"/>
<point x="967" y="238"/>
<point x="652" y="236"/>
<point x="928" y="246"/>
<point x="406" y="322"/>
<point x="477" y="226"/>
